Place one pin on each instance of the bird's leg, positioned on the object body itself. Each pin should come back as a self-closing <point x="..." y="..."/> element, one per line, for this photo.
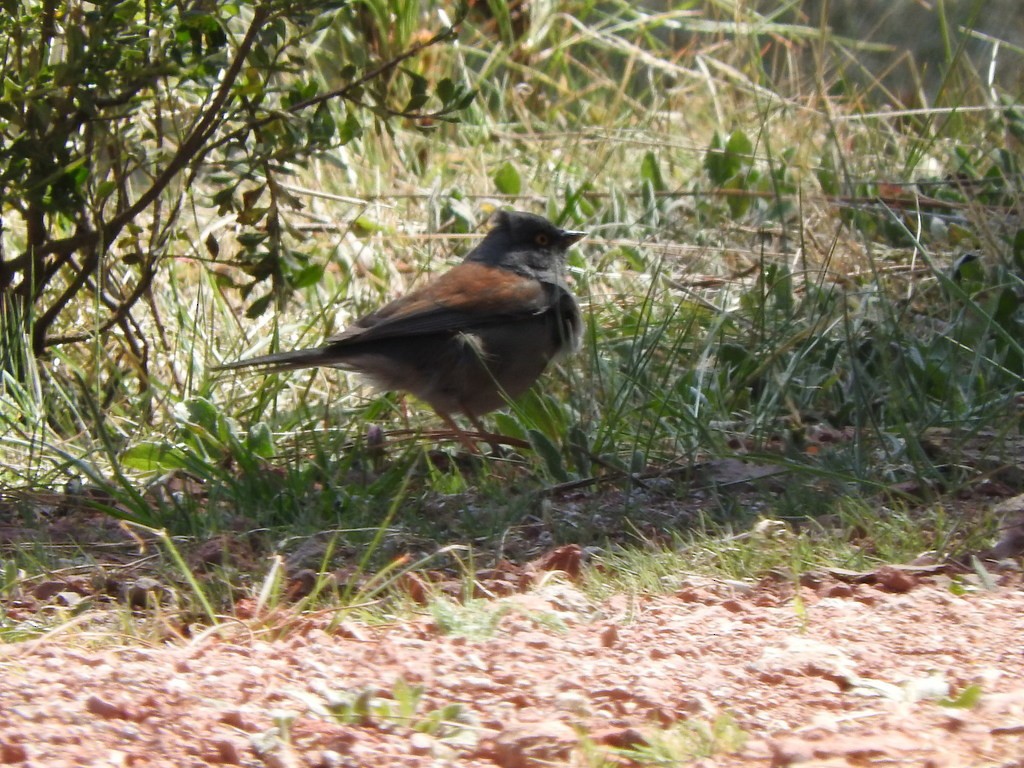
<point x="460" y="433"/>
<point x="496" y="450"/>
<point x="466" y="440"/>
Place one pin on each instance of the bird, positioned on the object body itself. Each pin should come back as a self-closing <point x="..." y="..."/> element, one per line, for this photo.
<point x="471" y="339"/>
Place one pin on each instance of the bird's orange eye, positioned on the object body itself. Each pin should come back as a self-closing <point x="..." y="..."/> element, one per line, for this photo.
<point x="541" y="239"/>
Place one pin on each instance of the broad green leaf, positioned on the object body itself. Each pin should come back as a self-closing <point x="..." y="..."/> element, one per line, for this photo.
<point x="308" y="276"/>
<point x="203" y="413"/>
<point x="258" y="307"/>
<point x="260" y="440"/>
<point x="507" y="180"/>
<point x="154" y="457"/>
<point x="446" y="90"/>
<point x="549" y="452"/>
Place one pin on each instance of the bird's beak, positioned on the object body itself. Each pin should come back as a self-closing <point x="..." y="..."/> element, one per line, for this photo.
<point x="572" y="236"/>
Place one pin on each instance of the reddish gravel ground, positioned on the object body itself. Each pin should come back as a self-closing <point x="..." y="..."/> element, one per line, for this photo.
<point x="844" y="675"/>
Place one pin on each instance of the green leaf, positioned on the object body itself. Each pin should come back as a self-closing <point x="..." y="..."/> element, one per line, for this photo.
<point x="308" y="276"/>
<point x="957" y="588"/>
<point x="506" y="425"/>
<point x="968" y="698"/>
<point x="740" y="147"/>
<point x="650" y="172"/>
<point x="105" y="188"/>
<point x="154" y="457"/>
<point x="350" y="129"/>
<point x="252" y="215"/>
<point x="416" y="101"/>
<point x="418" y="91"/>
<point x="780" y="282"/>
<point x="258" y="307"/>
<point x="321" y="125"/>
<point x="550" y="454"/>
<point x="260" y="440"/>
<point x="739" y="200"/>
<point x="203" y="413"/>
<point x="725" y="161"/>
<point x="1007" y="304"/>
<point x="446" y="91"/>
<point x="407" y="697"/>
<point x="827" y="176"/>
<point x="716" y="163"/>
<point x="507" y="180"/>
<point x="578" y="445"/>
<point x="251" y="239"/>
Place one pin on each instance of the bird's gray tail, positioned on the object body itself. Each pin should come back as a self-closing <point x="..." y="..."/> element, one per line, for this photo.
<point x="283" y="361"/>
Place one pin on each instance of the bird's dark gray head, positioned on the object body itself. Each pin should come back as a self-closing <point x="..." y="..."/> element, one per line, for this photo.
<point x="525" y="243"/>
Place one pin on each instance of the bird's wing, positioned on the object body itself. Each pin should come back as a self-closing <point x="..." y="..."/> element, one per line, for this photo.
<point x="467" y="296"/>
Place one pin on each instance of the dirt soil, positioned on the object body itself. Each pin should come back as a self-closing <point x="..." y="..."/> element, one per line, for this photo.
<point x="828" y="674"/>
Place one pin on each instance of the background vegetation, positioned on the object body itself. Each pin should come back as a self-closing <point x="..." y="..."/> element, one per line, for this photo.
<point x="802" y="283"/>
